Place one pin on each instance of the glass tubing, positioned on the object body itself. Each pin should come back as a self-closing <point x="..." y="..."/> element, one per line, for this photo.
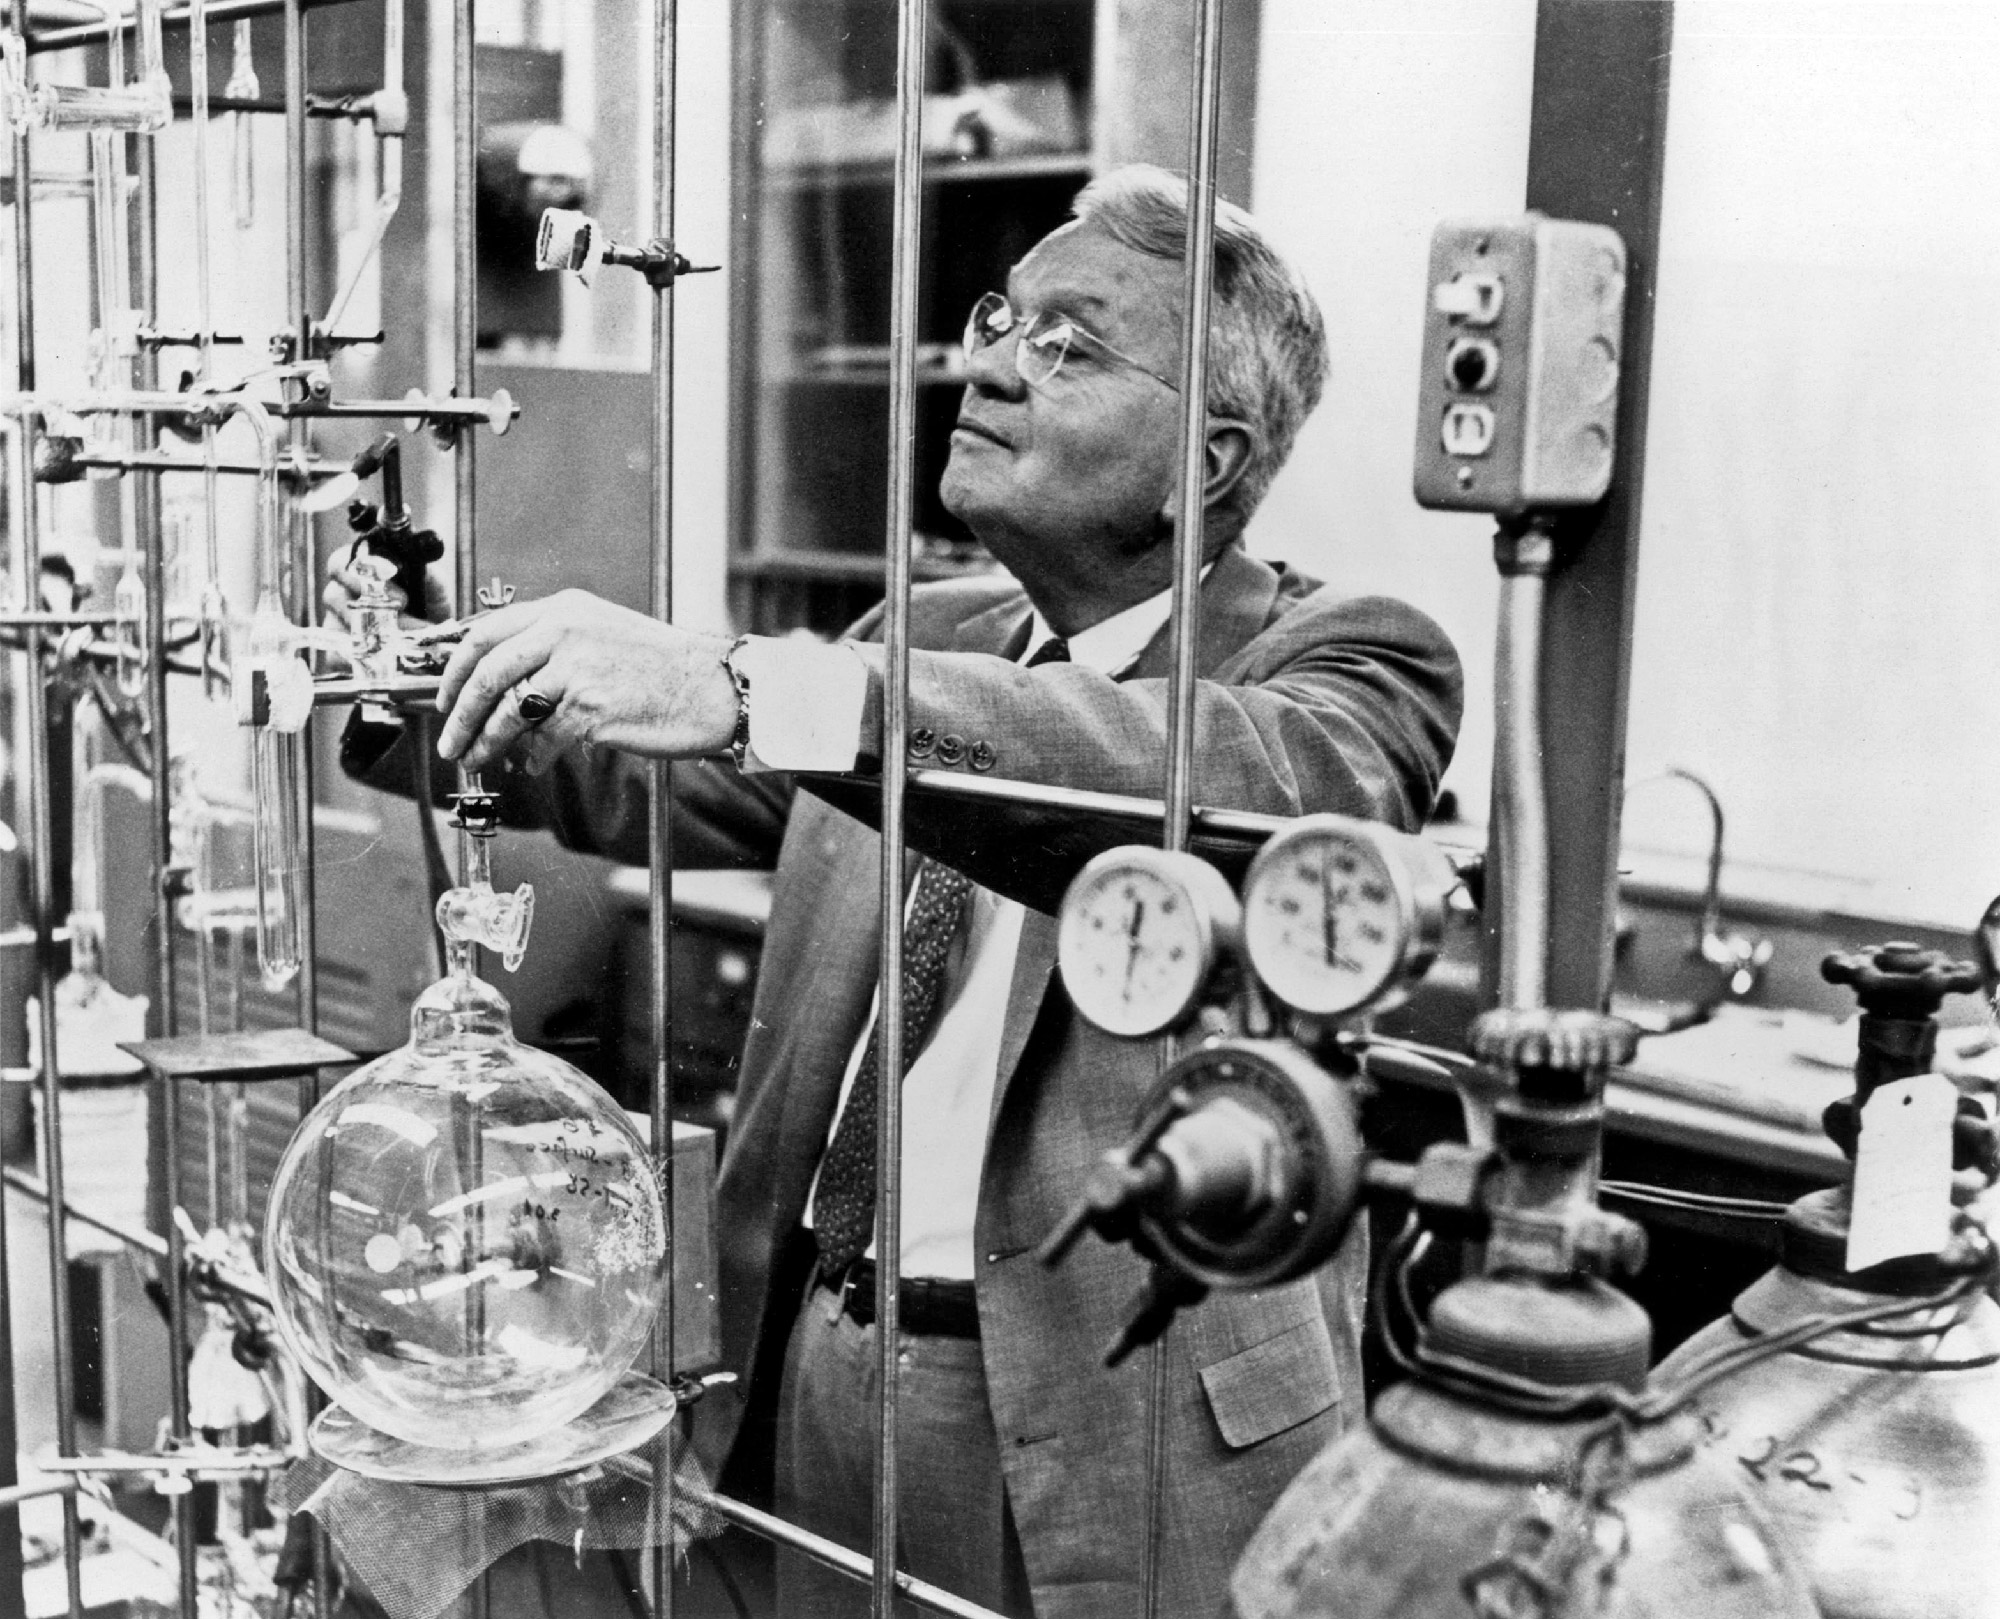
<point x="908" y="182"/>
<point x="37" y="763"/>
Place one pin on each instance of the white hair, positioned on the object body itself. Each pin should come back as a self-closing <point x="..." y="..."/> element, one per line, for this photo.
<point x="1267" y="340"/>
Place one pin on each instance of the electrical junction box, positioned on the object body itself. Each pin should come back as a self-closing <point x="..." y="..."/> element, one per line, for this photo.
<point x="1523" y="330"/>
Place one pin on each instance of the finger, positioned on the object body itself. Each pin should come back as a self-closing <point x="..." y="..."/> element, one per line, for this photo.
<point x="481" y="635"/>
<point x="482" y="716"/>
<point x="507" y="730"/>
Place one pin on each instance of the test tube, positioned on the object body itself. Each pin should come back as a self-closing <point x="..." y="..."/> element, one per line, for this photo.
<point x="277" y="780"/>
<point x="242" y="86"/>
<point x="278" y="763"/>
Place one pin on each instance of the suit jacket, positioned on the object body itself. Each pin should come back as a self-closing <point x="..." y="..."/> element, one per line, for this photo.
<point x="1307" y="702"/>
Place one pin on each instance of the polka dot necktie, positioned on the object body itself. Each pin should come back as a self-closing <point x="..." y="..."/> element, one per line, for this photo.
<point x="843" y="1212"/>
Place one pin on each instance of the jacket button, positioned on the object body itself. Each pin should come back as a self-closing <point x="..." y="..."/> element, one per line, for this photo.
<point x="922" y="740"/>
<point x="950" y="748"/>
<point x="982" y="756"/>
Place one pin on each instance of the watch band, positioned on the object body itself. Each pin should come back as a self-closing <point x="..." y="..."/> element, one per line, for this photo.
<point x="739" y="741"/>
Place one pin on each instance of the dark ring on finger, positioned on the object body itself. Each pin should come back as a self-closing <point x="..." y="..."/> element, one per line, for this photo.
<point x="535" y="706"/>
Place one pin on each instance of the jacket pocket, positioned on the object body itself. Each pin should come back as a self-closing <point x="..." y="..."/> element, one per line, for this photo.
<point x="1273" y="1385"/>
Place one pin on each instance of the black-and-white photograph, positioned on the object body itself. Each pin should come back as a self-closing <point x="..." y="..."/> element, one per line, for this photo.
<point x="1016" y="809"/>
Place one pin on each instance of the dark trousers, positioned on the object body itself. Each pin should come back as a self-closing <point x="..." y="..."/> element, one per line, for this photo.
<point x="953" y="1525"/>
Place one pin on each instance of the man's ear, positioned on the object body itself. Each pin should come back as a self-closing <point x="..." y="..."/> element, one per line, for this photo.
<point x="1227" y="457"/>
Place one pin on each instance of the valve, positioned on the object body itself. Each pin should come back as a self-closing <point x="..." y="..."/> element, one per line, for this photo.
<point x="1901" y="987"/>
<point x="1244" y="1170"/>
<point x="386" y="531"/>
<point x="1900" y="979"/>
<point x="488" y="918"/>
<point x="476" y="912"/>
<point x="575" y="242"/>
<point x="1541" y="1100"/>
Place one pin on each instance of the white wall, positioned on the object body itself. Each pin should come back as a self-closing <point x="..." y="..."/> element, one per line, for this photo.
<point x="701" y="325"/>
<point x="1817" y="580"/>
<point x="1376" y="119"/>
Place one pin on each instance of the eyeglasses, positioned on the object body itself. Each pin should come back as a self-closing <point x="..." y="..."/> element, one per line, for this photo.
<point x="1044" y="340"/>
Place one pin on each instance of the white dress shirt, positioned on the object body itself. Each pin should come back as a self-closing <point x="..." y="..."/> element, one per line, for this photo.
<point x="948" y="1093"/>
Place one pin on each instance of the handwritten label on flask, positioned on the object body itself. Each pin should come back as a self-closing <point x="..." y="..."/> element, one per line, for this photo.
<point x="1902" y="1172"/>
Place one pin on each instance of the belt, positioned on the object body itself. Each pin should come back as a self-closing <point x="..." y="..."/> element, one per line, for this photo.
<point x="926" y="1305"/>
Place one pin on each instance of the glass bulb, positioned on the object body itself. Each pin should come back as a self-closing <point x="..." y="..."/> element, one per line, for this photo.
<point x="466" y="1241"/>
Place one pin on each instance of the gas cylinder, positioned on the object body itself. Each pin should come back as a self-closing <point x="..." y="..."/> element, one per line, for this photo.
<point x="1516" y="1474"/>
<point x="1877" y="1449"/>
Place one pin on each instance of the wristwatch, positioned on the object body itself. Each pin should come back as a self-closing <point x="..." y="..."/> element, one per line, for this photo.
<point x="739" y="741"/>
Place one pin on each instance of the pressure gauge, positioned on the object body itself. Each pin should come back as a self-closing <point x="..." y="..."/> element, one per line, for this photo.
<point x="1141" y="931"/>
<point x="1341" y="914"/>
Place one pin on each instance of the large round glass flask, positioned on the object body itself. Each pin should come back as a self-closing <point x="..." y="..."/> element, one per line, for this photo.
<point x="465" y="1240"/>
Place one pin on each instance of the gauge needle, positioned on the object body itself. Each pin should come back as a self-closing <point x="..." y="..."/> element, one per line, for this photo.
<point x="1329" y="922"/>
<point x="1132" y="939"/>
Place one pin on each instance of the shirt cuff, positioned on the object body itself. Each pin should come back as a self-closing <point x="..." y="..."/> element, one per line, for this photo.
<point x="806" y="703"/>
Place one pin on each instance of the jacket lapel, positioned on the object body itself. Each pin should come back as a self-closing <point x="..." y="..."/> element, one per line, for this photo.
<point x="1234" y="606"/>
<point x="1001" y="629"/>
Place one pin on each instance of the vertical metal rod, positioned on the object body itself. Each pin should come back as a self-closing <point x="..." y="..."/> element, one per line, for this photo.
<point x="298" y="601"/>
<point x="152" y="539"/>
<point x="666" y="66"/>
<point x="464" y="298"/>
<point x="41" y="873"/>
<point x="299" y="315"/>
<point x="147" y="525"/>
<point x="905" y="287"/>
<point x="1197" y="296"/>
<point x="11" y="1597"/>
<point x="186" y="1553"/>
<point x="464" y="343"/>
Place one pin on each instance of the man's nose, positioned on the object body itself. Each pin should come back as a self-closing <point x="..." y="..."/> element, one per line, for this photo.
<point x="991" y="369"/>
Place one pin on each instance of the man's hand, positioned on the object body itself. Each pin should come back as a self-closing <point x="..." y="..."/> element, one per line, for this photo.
<point x="344" y="582"/>
<point x="616" y="678"/>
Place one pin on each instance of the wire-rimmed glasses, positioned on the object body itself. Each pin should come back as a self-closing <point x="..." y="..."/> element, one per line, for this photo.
<point x="1044" y="339"/>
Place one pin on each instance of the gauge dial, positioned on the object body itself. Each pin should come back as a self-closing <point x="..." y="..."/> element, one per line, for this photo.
<point x="1141" y="932"/>
<point x="1339" y="914"/>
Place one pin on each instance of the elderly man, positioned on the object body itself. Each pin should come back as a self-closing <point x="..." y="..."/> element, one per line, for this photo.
<point x="1031" y="1475"/>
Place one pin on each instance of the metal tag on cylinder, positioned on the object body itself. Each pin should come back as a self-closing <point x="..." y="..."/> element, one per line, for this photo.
<point x="1876" y="1446"/>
